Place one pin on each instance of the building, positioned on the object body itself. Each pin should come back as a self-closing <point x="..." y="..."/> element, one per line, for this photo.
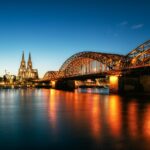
<point x="26" y="72"/>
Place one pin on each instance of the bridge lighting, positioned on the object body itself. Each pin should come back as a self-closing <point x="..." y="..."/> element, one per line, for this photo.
<point x="89" y="80"/>
<point x="53" y="84"/>
<point x="94" y="69"/>
<point x="113" y="83"/>
<point x="133" y="61"/>
<point x="113" y="79"/>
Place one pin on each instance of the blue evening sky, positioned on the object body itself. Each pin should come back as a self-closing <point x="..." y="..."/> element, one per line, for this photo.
<point x="53" y="30"/>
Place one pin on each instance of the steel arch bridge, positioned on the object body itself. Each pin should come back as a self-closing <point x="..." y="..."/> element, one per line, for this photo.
<point x="138" y="57"/>
<point x="88" y="62"/>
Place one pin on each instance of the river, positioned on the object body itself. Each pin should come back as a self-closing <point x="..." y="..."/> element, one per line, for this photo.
<point x="51" y="119"/>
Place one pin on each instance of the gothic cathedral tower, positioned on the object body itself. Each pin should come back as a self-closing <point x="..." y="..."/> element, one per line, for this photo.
<point x="22" y="69"/>
<point x="29" y="66"/>
<point x="27" y="72"/>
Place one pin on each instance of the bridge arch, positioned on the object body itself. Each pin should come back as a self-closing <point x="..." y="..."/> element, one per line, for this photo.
<point x="139" y="56"/>
<point x="53" y="75"/>
<point x="82" y="61"/>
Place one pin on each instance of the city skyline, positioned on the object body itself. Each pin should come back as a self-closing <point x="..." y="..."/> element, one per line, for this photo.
<point x="54" y="30"/>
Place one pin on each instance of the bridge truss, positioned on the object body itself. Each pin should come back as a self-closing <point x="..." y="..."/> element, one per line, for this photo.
<point x="138" y="57"/>
<point x="88" y="62"/>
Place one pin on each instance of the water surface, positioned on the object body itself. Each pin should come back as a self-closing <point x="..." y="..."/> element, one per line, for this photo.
<point x="51" y="119"/>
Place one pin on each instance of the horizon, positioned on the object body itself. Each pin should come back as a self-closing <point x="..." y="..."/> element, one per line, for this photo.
<point x="55" y="30"/>
<point x="26" y="56"/>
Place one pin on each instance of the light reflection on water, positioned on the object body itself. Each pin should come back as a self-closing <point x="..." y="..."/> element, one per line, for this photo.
<point x="71" y="120"/>
<point x="146" y="122"/>
<point x="93" y="90"/>
<point x="114" y="116"/>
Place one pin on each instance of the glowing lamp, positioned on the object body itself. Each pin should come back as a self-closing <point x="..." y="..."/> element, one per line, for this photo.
<point x="53" y="83"/>
<point x="113" y="79"/>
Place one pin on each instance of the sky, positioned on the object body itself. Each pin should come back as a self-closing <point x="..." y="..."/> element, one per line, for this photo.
<point x="53" y="30"/>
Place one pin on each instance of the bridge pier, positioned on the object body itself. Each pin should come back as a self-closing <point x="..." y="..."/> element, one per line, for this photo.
<point x="53" y="84"/>
<point x="138" y="84"/>
<point x="68" y="85"/>
<point x="145" y="82"/>
<point x="126" y="84"/>
<point x="129" y="84"/>
<point x="113" y="84"/>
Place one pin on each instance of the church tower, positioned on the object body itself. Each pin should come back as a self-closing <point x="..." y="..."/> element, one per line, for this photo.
<point x="30" y="72"/>
<point x="27" y="73"/>
<point x="22" y="69"/>
<point x="29" y="66"/>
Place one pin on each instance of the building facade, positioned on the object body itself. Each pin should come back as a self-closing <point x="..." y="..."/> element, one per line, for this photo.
<point x="27" y="72"/>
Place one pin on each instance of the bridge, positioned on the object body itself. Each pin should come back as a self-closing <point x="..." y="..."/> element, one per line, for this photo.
<point x="123" y="71"/>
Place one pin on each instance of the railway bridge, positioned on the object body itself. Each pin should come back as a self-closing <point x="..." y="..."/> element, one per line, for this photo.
<point x="121" y="73"/>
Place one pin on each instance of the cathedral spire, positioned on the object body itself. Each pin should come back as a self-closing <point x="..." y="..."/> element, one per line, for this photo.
<point x="22" y="68"/>
<point x="29" y="57"/>
<point x="23" y="56"/>
<point x="29" y="62"/>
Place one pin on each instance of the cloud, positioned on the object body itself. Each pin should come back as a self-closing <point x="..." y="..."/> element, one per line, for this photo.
<point x="124" y="23"/>
<point x="137" y="26"/>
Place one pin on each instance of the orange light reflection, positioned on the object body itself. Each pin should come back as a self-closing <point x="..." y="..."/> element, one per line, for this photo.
<point x="146" y="122"/>
<point x="52" y="108"/>
<point x="132" y="119"/>
<point x="95" y="117"/>
<point x="114" y="115"/>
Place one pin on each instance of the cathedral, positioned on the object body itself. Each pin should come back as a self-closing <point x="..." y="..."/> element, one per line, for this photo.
<point x="27" y="72"/>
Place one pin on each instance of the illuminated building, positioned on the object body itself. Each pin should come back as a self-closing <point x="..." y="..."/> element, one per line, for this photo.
<point x="27" y="72"/>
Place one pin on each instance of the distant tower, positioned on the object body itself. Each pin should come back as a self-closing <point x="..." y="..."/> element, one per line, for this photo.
<point x="22" y="69"/>
<point x="29" y="66"/>
<point x="29" y="72"/>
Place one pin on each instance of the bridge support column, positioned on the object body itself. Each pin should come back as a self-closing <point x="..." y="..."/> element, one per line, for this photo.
<point x="68" y="85"/>
<point x="53" y="83"/>
<point x="137" y="84"/>
<point x="145" y="82"/>
<point x="113" y="84"/>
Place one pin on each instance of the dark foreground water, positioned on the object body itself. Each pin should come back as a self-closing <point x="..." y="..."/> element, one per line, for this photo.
<point x="50" y="119"/>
